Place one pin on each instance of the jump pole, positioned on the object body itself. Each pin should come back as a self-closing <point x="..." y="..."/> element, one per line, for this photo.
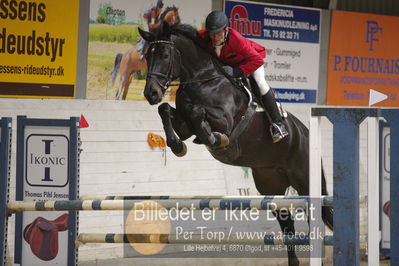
<point x="98" y="205"/>
<point x="327" y="200"/>
<point x="373" y="191"/>
<point x="315" y="184"/>
<point x="5" y="154"/>
<point x="194" y="239"/>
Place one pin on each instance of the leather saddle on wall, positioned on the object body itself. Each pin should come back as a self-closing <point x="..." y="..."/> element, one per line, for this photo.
<point x="42" y="236"/>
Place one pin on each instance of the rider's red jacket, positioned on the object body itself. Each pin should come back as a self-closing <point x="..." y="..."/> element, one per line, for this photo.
<point x="238" y="51"/>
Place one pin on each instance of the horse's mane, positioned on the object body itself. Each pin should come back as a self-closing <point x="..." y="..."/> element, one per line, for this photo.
<point x="191" y="33"/>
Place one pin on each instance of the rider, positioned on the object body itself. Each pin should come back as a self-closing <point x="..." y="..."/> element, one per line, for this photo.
<point x="246" y="58"/>
<point x="152" y="21"/>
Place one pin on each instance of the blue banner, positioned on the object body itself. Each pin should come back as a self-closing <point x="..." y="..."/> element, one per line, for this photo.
<point x="272" y="22"/>
<point x="295" y="95"/>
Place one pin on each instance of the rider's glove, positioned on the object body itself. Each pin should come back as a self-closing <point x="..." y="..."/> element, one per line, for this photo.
<point x="228" y="70"/>
<point x="237" y="72"/>
<point x="234" y="72"/>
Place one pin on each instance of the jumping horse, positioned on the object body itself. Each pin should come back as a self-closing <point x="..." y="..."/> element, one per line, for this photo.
<point x="128" y="63"/>
<point x="223" y="118"/>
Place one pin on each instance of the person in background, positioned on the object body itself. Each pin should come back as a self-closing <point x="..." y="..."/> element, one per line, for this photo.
<point x="246" y="58"/>
<point x="152" y="21"/>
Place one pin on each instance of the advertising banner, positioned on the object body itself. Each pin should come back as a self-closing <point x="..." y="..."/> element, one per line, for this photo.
<point x="291" y="36"/>
<point x="47" y="170"/>
<point x="38" y="48"/>
<point x="116" y="67"/>
<point x="363" y="61"/>
<point x="47" y="178"/>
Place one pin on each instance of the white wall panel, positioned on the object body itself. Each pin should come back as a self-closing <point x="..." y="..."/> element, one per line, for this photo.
<point x="116" y="159"/>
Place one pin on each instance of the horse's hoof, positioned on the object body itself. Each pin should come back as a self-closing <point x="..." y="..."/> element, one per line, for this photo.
<point x="197" y="141"/>
<point x="293" y="262"/>
<point x="221" y="140"/>
<point x="183" y="150"/>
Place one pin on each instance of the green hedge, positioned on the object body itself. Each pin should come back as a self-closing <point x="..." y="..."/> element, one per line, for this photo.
<point x="111" y="33"/>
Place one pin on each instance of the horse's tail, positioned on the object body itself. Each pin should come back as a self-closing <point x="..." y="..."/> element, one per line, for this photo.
<point x="327" y="211"/>
<point x="117" y="65"/>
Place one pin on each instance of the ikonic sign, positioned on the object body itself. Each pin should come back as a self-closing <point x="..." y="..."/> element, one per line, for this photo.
<point x="47" y="160"/>
<point x="47" y="169"/>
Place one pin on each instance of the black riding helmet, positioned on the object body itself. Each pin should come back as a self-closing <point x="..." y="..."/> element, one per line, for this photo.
<point x="216" y="21"/>
<point x="159" y="4"/>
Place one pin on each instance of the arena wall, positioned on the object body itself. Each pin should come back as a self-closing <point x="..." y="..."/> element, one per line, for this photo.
<point x="116" y="159"/>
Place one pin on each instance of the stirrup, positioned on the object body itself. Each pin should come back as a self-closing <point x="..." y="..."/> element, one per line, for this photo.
<point x="197" y="141"/>
<point x="279" y="134"/>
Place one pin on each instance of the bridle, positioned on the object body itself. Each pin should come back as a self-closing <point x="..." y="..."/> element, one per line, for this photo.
<point x="168" y="77"/>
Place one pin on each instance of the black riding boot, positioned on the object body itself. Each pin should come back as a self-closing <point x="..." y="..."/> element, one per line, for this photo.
<point x="277" y="129"/>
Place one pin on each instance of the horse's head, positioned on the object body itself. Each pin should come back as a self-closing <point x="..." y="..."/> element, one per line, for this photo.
<point x="171" y="15"/>
<point x="163" y="60"/>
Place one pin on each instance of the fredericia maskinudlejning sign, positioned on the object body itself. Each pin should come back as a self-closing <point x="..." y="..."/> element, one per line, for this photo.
<point x="47" y="160"/>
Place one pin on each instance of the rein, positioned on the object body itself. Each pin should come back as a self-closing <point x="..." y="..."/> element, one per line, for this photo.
<point x="192" y="81"/>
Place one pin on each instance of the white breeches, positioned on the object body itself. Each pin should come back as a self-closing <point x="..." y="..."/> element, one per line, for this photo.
<point x="259" y="76"/>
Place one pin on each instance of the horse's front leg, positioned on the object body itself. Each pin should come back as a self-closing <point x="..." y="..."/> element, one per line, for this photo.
<point x="203" y="129"/>
<point x="167" y="113"/>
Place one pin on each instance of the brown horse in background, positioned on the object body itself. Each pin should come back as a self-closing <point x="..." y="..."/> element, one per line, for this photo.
<point x="129" y="62"/>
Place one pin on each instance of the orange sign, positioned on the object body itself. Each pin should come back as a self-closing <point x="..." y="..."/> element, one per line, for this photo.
<point x="38" y="48"/>
<point x="363" y="57"/>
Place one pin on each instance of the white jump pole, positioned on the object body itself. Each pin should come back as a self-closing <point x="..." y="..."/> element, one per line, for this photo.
<point x="373" y="200"/>
<point x="315" y="185"/>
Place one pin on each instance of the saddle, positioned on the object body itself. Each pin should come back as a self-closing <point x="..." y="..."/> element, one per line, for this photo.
<point x="248" y="85"/>
<point x="42" y="236"/>
<point x="244" y="84"/>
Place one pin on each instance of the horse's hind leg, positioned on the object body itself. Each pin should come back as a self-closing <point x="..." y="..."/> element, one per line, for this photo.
<point x="274" y="181"/>
<point x="120" y="86"/>
<point x="327" y="211"/>
<point x="126" y="86"/>
<point x="203" y="129"/>
<point x="287" y="226"/>
<point x="167" y="114"/>
<point x="300" y="181"/>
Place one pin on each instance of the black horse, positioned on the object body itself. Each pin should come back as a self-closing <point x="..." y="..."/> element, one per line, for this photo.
<point x="222" y="117"/>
